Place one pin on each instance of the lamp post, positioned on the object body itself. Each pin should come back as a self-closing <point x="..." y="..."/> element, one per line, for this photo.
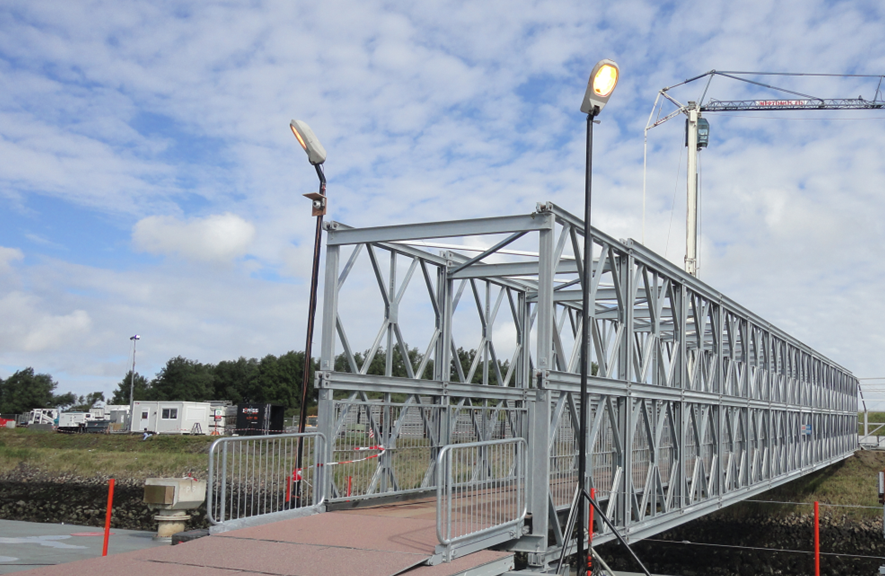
<point x="134" y="339"/>
<point x="603" y="80"/>
<point x="316" y="154"/>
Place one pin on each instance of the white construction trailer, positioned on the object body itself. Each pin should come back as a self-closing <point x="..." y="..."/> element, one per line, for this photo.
<point x="174" y="417"/>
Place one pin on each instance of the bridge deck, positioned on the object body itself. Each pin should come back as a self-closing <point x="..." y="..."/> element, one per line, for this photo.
<point x="377" y="541"/>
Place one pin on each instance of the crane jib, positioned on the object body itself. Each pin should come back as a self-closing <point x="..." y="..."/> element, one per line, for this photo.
<point x="787" y="102"/>
<point x="800" y="104"/>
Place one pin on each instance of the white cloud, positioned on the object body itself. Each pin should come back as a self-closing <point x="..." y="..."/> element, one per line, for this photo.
<point x="83" y="316"/>
<point x="429" y="111"/>
<point x="7" y="257"/>
<point x="216" y="238"/>
<point x="28" y="327"/>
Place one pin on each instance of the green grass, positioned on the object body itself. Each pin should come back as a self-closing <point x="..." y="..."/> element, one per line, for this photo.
<point x="103" y="455"/>
<point x="10" y="454"/>
<point x="874" y="419"/>
<point x="851" y="482"/>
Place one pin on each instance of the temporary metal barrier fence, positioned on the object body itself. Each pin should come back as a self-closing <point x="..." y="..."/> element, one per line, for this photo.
<point x="481" y="495"/>
<point x="257" y="479"/>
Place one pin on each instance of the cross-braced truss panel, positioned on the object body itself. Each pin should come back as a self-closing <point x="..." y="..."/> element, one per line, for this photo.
<point x="694" y="403"/>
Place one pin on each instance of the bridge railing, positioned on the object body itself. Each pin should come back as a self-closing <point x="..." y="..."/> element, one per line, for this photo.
<point x="259" y="479"/>
<point x="481" y="495"/>
<point x="871" y="434"/>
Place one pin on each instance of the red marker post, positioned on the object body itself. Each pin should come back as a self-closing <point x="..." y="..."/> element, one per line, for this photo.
<point x="590" y="532"/>
<point x="816" y="540"/>
<point x="107" y="520"/>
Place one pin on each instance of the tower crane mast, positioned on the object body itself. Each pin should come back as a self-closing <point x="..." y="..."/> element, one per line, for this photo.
<point x="697" y="129"/>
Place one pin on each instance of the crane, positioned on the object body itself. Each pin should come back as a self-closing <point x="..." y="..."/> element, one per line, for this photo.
<point x="697" y="129"/>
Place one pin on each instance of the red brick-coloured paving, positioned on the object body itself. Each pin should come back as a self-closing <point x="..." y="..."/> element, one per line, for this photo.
<point x="379" y="541"/>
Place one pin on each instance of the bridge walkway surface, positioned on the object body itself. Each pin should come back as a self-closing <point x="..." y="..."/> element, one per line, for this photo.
<point x="377" y="541"/>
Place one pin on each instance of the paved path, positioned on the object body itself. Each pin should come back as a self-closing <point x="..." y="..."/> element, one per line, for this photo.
<point x="26" y="545"/>
<point x="379" y="541"/>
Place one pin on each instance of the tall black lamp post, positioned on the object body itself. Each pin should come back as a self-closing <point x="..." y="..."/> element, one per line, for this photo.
<point x="316" y="154"/>
<point x="602" y="83"/>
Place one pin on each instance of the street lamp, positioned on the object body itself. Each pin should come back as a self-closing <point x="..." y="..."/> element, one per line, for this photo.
<point x="603" y="80"/>
<point x="316" y="154"/>
<point x="134" y="339"/>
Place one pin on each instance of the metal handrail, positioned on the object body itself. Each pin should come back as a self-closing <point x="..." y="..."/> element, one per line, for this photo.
<point x="869" y="436"/>
<point x="253" y="479"/>
<point x="482" y="482"/>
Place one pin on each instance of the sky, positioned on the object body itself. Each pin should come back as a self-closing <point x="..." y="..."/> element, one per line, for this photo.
<point x="149" y="182"/>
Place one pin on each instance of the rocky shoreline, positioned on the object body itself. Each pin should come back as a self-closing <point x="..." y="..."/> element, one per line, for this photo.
<point x="31" y="497"/>
<point x="719" y="545"/>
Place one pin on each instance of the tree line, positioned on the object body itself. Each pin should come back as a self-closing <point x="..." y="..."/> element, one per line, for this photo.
<point x="25" y="390"/>
<point x="272" y="379"/>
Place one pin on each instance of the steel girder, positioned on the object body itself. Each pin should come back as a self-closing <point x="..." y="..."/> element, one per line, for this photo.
<point x="695" y="402"/>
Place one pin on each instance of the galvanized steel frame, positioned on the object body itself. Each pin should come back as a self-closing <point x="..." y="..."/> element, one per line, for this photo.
<point x="697" y="402"/>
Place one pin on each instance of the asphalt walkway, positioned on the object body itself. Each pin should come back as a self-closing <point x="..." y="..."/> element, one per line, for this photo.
<point x="28" y="545"/>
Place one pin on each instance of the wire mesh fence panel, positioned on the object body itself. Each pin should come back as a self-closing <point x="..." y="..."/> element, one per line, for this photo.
<point x="604" y="461"/>
<point x="641" y="452"/>
<point x="382" y="448"/>
<point x="481" y="487"/>
<point x="564" y="461"/>
<point x="259" y="475"/>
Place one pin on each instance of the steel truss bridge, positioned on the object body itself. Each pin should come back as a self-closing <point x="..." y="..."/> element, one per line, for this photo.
<point x="695" y="402"/>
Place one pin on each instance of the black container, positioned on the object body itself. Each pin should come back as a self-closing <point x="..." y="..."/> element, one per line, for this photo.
<point x="255" y="419"/>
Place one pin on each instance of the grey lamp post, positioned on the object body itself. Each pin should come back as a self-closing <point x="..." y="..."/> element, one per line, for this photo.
<point x="316" y="154"/>
<point x="134" y="339"/>
<point x="602" y="83"/>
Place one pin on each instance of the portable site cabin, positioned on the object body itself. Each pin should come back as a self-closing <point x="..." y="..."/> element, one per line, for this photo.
<point x="175" y="417"/>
